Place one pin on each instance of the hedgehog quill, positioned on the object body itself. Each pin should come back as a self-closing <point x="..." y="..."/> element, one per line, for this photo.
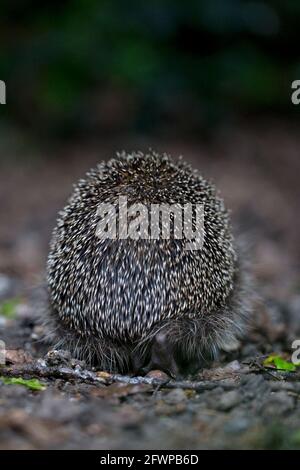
<point x="136" y="303"/>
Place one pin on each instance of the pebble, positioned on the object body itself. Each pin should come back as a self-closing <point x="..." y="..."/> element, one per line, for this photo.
<point x="175" y="396"/>
<point x="228" y="400"/>
<point x="3" y="321"/>
<point x="5" y="285"/>
<point x="277" y="404"/>
<point x="254" y="386"/>
<point x="158" y="374"/>
<point x="237" y="425"/>
<point x="57" y="357"/>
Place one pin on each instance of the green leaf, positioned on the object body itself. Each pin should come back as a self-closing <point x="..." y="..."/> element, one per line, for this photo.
<point x="8" y="308"/>
<point x="32" y="384"/>
<point x="279" y="363"/>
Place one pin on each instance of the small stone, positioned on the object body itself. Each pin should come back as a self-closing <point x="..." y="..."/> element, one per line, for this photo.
<point x="233" y="366"/>
<point x="254" y="386"/>
<point x="228" y="400"/>
<point x="23" y="311"/>
<point x="277" y="404"/>
<point x="37" y="333"/>
<point x="53" y="406"/>
<point x="17" y="356"/>
<point x="58" y="357"/>
<point x="5" y="285"/>
<point x="175" y="396"/>
<point x="158" y="374"/>
<point x="237" y="425"/>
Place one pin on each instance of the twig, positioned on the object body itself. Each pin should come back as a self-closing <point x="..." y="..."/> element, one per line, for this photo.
<point x="266" y="370"/>
<point x="43" y="371"/>
<point x="278" y="374"/>
<point x="57" y="372"/>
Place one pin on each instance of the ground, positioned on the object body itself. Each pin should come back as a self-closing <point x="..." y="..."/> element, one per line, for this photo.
<point x="239" y="402"/>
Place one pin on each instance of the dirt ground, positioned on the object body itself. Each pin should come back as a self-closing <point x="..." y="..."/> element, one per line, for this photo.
<point x="247" y="405"/>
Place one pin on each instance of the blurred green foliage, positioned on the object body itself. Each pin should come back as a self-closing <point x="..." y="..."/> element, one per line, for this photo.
<point x="80" y="66"/>
<point x="8" y="308"/>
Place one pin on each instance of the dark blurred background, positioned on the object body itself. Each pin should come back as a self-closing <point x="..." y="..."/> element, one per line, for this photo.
<point x="210" y="80"/>
<point x="85" y="67"/>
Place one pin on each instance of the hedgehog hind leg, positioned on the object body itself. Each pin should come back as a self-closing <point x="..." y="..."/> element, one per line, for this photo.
<point x="161" y="355"/>
<point x="188" y="344"/>
<point x="175" y="348"/>
<point x="181" y="347"/>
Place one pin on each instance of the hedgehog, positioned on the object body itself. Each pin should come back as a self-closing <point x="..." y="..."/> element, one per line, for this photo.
<point x="140" y="303"/>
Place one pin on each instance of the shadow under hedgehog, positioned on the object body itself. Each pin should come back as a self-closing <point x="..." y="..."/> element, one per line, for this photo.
<point x="136" y="304"/>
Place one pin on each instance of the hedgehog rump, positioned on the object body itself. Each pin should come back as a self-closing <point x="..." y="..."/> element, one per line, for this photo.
<point x="133" y="304"/>
<point x="188" y="343"/>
